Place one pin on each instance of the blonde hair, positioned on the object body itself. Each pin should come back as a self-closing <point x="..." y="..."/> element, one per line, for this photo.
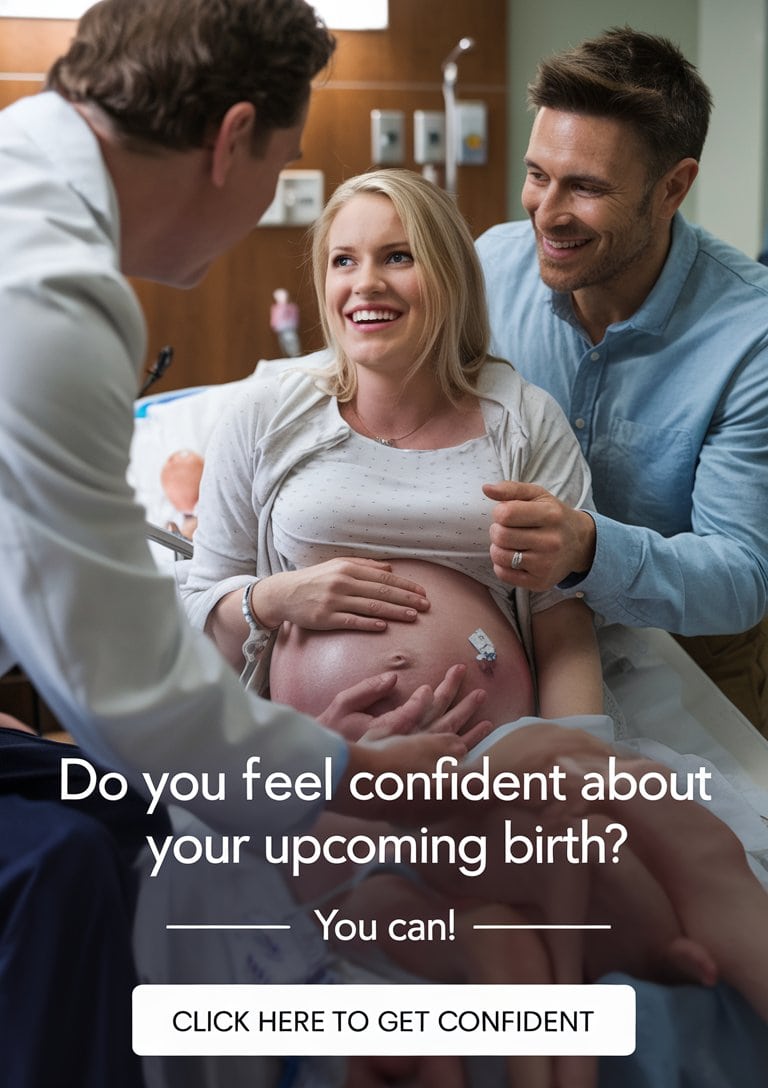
<point x="456" y="332"/>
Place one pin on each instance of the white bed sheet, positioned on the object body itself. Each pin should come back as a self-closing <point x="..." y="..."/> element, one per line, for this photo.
<point x="182" y="420"/>
<point x="672" y="712"/>
<point x="665" y="696"/>
<point x="163" y="424"/>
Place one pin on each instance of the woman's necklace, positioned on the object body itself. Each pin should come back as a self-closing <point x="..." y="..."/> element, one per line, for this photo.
<point x="386" y="441"/>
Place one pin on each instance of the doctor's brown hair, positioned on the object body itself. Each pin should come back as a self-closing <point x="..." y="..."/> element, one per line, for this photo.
<point x="167" y="71"/>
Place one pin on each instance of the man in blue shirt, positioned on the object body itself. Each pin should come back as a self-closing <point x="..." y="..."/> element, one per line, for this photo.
<point x="653" y="336"/>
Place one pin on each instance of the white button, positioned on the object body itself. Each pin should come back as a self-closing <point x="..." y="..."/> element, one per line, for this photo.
<point x="579" y="594"/>
<point x="579" y="423"/>
<point x="595" y="356"/>
<point x="388" y="1019"/>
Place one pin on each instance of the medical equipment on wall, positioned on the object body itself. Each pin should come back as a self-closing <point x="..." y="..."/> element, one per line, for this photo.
<point x="471" y="133"/>
<point x="298" y="199"/>
<point x="450" y="75"/>
<point x="387" y="137"/>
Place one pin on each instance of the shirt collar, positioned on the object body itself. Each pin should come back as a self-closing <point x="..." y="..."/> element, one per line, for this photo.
<point x="660" y="303"/>
<point x="61" y="134"/>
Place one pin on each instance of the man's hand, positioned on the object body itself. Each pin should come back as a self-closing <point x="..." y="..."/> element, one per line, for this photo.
<point x="440" y="729"/>
<point x="426" y="711"/>
<point x="545" y="539"/>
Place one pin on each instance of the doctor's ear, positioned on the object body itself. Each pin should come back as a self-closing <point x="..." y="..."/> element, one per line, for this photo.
<point x="234" y="137"/>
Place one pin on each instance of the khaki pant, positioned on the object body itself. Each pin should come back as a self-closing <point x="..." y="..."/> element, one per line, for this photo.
<point x="738" y="664"/>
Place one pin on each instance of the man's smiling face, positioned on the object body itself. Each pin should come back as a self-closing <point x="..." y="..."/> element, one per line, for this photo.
<point x="590" y="198"/>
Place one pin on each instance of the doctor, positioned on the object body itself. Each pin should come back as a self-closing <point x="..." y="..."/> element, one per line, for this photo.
<point x="653" y="336"/>
<point x="156" y="147"/>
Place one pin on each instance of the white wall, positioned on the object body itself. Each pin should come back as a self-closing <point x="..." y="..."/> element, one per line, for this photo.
<point x="727" y="41"/>
<point x="732" y="60"/>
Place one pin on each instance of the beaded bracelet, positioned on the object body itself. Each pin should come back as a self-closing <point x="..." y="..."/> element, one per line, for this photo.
<point x="258" y="635"/>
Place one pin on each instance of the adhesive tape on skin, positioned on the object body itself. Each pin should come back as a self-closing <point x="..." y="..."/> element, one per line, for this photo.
<point x="486" y="651"/>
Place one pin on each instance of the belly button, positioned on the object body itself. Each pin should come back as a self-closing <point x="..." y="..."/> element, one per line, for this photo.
<point x="399" y="661"/>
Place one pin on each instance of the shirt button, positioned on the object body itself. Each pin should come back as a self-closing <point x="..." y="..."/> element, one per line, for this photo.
<point x="579" y="423"/>
<point x="595" y="356"/>
<point x="579" y="594"/>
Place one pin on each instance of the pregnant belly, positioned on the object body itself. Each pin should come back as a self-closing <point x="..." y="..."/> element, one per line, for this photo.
<point x="309" y="668"/>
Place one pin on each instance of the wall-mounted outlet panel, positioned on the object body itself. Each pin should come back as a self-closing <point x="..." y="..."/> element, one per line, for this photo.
<point x="472" y="133"/>
<point x="298" y="199"/>
<point x="428" y="136"/>
<point x="388" y="137"/>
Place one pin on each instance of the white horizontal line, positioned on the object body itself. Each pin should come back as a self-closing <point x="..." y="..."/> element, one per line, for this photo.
<point x="194" y="926"/>
<point x="540" y="927"/>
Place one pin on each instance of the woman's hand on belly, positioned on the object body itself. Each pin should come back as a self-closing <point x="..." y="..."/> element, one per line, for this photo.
<point x="340" y="594"/>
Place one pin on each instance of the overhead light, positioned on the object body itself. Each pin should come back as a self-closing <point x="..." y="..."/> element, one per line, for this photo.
<point x="353" y="14"/>
<point x="338" y="14"/>
<point x="44" y="9"/>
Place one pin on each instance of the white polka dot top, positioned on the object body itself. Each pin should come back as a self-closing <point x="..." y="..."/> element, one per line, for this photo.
<point x="363" y="498"/>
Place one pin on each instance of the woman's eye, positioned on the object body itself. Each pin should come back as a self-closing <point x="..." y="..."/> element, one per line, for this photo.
<point x="400" y="257"/>
<point x="341" y="261"/>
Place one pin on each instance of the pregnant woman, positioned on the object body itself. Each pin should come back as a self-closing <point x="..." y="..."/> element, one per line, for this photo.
<point x="343" y="527"/>
<point x="349" y="498"/>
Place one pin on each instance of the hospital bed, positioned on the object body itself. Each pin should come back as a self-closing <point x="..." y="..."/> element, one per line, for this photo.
<point x="663" y="705"/>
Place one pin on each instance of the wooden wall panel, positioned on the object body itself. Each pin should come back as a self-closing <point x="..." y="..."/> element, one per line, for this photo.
<point x="13" y="88"/>
<point x="220" y="329"/>
<point x="29" y="45"/>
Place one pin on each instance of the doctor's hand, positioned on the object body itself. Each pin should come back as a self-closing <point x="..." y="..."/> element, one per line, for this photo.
<point x="353" y="713"/>
<point x="340" y="594"/>
<point x="401" y="756"/>
<point x="536" y="540"/>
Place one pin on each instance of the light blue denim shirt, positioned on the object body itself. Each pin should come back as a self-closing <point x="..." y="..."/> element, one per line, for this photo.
<point x="671" y="411"/>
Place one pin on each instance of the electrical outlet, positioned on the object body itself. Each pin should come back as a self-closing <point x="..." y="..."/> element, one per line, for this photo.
<point x="472" y="133"/>
<point x="428" y="136"/>
<point x="388" y="137"/>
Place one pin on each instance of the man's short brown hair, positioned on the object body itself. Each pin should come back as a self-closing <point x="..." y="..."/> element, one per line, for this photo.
<point x="167" y="71"/>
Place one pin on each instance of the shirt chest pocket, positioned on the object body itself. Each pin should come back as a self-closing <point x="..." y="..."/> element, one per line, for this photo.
<point x="644" y="475"/>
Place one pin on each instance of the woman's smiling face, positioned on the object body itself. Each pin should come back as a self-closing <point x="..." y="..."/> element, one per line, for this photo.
<point x="373" y="292"/>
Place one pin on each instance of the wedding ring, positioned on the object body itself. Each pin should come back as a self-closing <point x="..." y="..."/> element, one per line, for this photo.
<point x="517" y="560"/>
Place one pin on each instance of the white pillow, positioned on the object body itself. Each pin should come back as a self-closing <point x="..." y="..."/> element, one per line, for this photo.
<point x="182" y="419"/>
